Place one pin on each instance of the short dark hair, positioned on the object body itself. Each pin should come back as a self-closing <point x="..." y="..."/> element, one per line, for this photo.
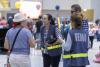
<point x="40" y="17"/>
<point x="97" y="21"/>
<point x="3" y="17"/>
<point x="49" y="16"/>
<point x="77" y="7"/>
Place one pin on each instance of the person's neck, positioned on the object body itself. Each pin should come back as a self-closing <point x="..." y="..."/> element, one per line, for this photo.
<point x="18" y="26"/>
<point x="47" y="26"/>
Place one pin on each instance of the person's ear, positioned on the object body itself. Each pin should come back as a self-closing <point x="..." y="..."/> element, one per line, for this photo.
<point x="72" y="24"/>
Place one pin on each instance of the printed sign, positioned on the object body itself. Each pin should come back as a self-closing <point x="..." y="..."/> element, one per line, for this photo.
<point x="31" y="9"/>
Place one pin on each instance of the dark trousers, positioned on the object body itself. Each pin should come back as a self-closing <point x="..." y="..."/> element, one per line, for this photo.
<point x="91" y="40"/>
<point x="51" y="61"/>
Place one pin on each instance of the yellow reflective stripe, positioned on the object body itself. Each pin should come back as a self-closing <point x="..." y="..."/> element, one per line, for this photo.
<point x="76" y="55"/>
<point x="66" y="56"/>
<point x="53" y="47"/>
<point x="79" y="55"/>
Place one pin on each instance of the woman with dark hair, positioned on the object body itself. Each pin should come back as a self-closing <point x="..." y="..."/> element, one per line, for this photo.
<point x="76" y="45"/>
<point x="52" y="22"/>
<point x="91" y="34"/>
<point x="97" y="22"/>
<point x="51" y="42"/>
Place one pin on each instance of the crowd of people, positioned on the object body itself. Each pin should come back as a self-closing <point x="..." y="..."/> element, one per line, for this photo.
<point x="72" y="40"/>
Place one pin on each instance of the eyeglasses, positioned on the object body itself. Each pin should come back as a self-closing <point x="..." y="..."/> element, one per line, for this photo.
<point x="74" y="11"/>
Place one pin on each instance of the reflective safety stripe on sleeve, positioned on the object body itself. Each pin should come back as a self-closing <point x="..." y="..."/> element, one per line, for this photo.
<point x="54" y="47"/>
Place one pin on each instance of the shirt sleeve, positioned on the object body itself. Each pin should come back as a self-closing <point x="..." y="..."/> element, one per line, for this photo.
<point x="7" y="34"/>
<point x="67" y="45"/>
<point x="29" y="34"/>
<point x="89" y="44"/>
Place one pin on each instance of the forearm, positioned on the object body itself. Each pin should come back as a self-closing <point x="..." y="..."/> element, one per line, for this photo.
<point x="67" y="45"/>
<point x="32" y="43"/>
<point x="6" y="44"/>
<point x="59" y="41"/>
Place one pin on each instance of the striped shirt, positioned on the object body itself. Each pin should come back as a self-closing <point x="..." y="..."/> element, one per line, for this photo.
<point x="58" y="33"/>
<point x="85" y="25"/>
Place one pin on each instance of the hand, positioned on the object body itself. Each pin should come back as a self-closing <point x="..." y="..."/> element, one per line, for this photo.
<point x="47" y="44"/>
<point x="97" y="55"/>
<point x="37" y="41"/>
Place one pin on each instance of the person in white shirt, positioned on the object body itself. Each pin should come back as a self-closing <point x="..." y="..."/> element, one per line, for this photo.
<point x="91" y="34"/>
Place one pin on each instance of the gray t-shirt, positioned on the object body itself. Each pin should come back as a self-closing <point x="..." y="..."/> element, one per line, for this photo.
<point x="21" y="45"/>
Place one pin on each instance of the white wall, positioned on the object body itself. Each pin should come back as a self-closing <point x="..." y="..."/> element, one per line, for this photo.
<point x="86" y="4"/>
<point x="12" y="2"/>
<point x="96" y="7"/>
<point x="65" y="4"/>
<point x="1" y="6"/>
